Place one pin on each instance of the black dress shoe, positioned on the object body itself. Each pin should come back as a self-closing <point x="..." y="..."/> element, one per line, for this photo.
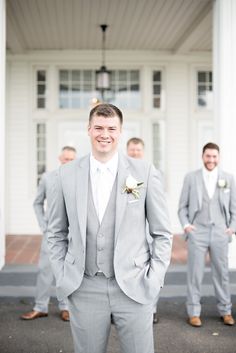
<point x="155" y="318"/>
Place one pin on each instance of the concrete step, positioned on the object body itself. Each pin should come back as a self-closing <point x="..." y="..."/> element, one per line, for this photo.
<point x="20" y="281"/>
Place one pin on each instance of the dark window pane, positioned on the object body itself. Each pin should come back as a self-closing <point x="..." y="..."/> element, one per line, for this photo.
<point x="41" y="75"/>
<point x="87" y="87"/>
<point x="122" y="88"/>
<point x="156" y="89"/>
<point x="41" y="169"/>
<point x="134" y="75"/>
<point x="201" y="90"/>
<point x="75" y="88"/>
<point x="157" y="76"/>
<point x="156" y="102"/>
<point x="41" y="103"/>
<point x="122" y="75"/>
<point x="210" y="76"/>
<point x="41" y="89"/>
<point x="134" y="87"/>
<point x="64" y="75"/>
<point x="201" y="76"/>
<point x="64" y="88"/>
<point x="88" y="75"/>
<point x="113" y="76"/>
<point x="41" y="156"/>
<point x="76" y="75"/>
<point x="41" y="128"/>
<point x="201" y="101"/>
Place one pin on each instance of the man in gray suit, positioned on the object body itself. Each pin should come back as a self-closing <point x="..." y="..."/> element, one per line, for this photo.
<point x="98" y="210"/>
<point x="207" y="212"/>
<point x="45" y="276"/>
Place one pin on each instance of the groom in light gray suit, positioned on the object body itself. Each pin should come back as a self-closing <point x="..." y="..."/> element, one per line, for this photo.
<point x="101" y="259"/>
<point x="207" y="212"/>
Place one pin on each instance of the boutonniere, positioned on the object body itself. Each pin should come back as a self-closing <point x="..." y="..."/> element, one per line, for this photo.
<point x="132" y="186"/>
<point x="222" y="183"/>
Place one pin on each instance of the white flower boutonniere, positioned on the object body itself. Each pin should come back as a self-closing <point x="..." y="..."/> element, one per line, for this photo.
<point x="132" y="186"/>
<point x="222" y="183"/>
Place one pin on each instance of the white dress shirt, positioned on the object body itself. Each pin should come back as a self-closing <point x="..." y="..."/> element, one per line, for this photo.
<point x="102" y="176"/>
<point x="210" y="180"/>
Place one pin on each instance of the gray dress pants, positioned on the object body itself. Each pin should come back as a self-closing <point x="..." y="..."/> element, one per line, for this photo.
<point x="45" y="281"/>
<point x="215" y="240"/>
<point x="91" y="307"/>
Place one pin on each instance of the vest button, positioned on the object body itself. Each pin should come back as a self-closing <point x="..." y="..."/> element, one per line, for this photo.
<point x="100" y="249"/>
<point x="100" y="235"/>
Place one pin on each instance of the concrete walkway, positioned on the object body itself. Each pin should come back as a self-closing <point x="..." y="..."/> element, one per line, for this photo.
<point x="172" y="334"/>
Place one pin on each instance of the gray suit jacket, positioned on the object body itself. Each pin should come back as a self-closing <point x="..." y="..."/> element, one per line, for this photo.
<point x="191" y="198"/>
<point x="39" y="202"/>
<point x="138" y="273"/>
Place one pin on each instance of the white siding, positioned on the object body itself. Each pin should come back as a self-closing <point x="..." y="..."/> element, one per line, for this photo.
<point x="20" y="216"/>
<point x="177" y="146"/>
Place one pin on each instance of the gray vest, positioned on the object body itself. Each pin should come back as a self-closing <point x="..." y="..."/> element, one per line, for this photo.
<point x="210" y="213"/>
<point x="100" y="238"/>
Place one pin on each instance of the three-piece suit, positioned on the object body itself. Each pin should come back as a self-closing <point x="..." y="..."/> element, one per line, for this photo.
<point x="90" y="259"/>
<point x="211" y="216"/>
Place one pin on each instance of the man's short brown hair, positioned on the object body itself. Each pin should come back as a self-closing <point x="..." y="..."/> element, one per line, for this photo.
<point x="106" y="110"/>
<point x="210" y="146"/>
<point x="135" y="140"/>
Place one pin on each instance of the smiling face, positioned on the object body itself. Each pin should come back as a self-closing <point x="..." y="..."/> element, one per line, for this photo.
<point x="135" y="150"/>
<point x="210" y="159"/>
<point x="104" y="133"/>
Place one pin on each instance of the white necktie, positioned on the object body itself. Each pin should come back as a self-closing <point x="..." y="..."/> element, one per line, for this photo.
<point x="210" y="185"/>
<point x="102" y="192"/>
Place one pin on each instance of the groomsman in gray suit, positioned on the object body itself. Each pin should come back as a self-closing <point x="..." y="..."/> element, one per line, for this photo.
<point x="98" y="209"/>
<point x="45" y="276"/>
<point x="207" y="212"/>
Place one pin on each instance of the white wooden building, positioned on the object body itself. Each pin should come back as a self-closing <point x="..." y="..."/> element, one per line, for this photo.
<point x="162" y="54"/>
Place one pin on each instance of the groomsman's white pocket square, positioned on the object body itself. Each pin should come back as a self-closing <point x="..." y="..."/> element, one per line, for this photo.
<point x="226" y="191"/>
<point x="133" y="201"/>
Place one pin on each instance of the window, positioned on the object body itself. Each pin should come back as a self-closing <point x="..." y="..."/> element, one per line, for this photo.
<point x="41" y="78"/>
<point x="78" y="87"/>
<point x="125" y="89"/>
<point x="41" y="149"/>
<point x="204" y="89"/>
<point x="156" y="89"/>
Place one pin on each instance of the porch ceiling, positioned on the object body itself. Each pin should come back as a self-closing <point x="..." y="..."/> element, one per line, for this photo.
<point x="180" y="26"/>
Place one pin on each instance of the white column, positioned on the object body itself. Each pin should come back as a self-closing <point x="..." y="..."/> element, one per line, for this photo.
<point x="224" y="67"/>
<point x="2" y="128"/>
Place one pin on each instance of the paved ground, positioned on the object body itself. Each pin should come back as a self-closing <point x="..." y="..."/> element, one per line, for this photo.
<point x="172" y="334"/>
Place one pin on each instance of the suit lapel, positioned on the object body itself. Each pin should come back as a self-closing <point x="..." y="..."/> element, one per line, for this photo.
<point x="82" y="177"/>
<point x="199" y="183"/>
<point x="121" y="198"/>
<point x="221" y="199"/>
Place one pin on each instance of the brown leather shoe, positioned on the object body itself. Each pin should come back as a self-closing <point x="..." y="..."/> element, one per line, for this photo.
<point x="195" y="321"/>
<point x="64" y="314"/>
<point x="33" y="315"/>
<point x="228" y="320"/>
<point x="155" y="318"/>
